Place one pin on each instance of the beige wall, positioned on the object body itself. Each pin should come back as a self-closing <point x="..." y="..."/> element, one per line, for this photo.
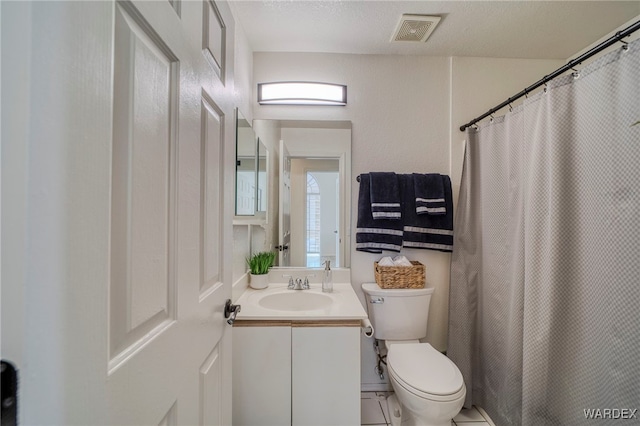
<point x="405" y="112"/>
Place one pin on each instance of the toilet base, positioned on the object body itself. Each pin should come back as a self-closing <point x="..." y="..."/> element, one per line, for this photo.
<point x="397" y="419"/>
<point x="395" y="410"/>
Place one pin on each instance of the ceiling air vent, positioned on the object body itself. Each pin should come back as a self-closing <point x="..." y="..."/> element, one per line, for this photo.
<point x="416" y="28"/>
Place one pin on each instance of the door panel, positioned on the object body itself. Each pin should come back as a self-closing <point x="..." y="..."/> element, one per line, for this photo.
<point x="211" y="178"/>
<point x="213" y="292"/>
<point x="143" y="185"/>
<point x="214" y="38"/>
<point x="210" y="390"/>
<point x="170" y="419"/>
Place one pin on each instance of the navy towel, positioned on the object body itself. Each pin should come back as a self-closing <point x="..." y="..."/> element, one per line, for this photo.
<point x="385" y="198"/>
<point x="375" y="235"/>
<point x="429" y="194"/>
<point x="426" y="231"/>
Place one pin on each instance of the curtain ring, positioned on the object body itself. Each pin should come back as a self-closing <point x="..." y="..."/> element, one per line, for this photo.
<point x="510" y="107"/>
<point x="546" y="88"/>
<point x="575" y="73"/>
<point x="625" y="45"/>
<point x="491" y="119"/>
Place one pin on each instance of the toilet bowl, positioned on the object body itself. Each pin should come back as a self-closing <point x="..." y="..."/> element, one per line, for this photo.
<point x="429" y="389"/>
<point x="428" y="386"/>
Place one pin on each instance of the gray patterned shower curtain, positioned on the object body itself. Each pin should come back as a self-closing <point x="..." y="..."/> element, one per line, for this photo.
<point x="544" y="318"/>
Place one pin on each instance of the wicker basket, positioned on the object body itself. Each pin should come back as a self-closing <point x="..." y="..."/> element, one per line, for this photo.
<point x="400" y="276"/>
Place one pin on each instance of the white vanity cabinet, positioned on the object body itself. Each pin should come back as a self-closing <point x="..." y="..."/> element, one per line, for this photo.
<point x="325" y="375"/>
<point x="261" y="375"/>
<point x="296" y="373"/>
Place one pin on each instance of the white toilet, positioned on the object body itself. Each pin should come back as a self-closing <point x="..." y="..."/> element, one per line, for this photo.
<point x="427" y="384"/>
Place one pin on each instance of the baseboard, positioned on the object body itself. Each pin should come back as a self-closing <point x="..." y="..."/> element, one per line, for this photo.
<point x="376" y="387"/>
<point x="485" y="415"/>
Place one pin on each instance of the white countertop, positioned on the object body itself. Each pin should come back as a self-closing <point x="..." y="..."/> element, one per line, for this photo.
<point x="344" y="304"/>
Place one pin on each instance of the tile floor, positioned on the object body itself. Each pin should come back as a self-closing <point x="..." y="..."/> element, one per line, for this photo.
<point x="375" y="413"/>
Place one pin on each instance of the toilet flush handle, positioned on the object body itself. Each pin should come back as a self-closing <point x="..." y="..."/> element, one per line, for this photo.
<point x="377" y="300"/>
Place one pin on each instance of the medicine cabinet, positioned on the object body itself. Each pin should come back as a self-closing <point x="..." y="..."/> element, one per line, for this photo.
<point x="252" y="173"/>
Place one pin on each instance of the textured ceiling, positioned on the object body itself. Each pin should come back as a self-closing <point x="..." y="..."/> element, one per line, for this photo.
<point x="505" y="29"/>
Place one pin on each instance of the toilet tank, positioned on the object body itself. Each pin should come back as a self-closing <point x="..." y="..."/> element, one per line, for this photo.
<point x="398" y="314"/>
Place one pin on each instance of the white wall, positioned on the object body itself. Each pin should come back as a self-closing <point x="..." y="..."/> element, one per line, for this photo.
<point x="628" y="39"/>
<point x="243" y="72"/>
<point x="399" y="109"/>
<point x="405" y="112"/>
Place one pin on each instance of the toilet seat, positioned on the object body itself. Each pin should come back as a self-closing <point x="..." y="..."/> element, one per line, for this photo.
<point x="425" y="372"/>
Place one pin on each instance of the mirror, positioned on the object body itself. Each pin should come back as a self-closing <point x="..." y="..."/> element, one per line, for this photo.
<point x="262" y="195"/>
<point x="312" y="179"/>
<point x="245" y="167"/>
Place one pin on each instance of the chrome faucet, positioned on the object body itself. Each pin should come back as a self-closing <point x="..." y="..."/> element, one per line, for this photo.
<point x="305" y="284"/>
<point x="295" y="283"/>
<point x="291" y="285"/>
<point x="298" y="283"/>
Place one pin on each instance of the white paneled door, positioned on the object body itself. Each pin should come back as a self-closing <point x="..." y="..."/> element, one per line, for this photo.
<point x="115" y="212"/>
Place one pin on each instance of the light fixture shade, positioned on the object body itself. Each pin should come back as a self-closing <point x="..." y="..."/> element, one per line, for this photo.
<point x="301" y="93"/>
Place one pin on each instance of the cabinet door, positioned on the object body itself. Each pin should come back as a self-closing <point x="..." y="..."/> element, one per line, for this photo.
<point x="325" y="376"/>
<point x="262" y="376"/>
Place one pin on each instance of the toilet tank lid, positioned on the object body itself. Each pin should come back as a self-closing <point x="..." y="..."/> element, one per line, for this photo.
<point x="423" y="368"/>
<point x="374" y="290"/>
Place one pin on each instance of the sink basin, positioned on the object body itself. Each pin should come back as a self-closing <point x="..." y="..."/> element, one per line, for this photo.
<point x="295" y="300"/>
<point x="277" y="302"/>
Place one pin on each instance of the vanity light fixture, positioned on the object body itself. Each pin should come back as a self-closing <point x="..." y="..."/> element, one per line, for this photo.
<point x="301" y="93"/>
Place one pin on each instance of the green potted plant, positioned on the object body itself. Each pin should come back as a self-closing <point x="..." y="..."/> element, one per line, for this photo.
<point x="259" y="265"/>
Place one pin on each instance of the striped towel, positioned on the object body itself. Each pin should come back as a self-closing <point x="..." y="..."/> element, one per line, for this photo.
<point x="375" y="235"/>
<point x="385" y="198"/>
<point x="426" y="231"/>
<point x="429" y="194"/>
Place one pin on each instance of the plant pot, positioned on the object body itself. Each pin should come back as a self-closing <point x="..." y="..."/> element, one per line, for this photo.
<point x="259" y="281"/>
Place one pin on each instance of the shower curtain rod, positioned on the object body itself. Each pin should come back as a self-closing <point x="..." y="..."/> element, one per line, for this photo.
<point x="577" y="61"/>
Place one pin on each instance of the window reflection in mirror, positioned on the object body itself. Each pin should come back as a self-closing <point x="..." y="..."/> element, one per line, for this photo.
<point x="245" y="167"/>
<point x="315" y="204"/>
